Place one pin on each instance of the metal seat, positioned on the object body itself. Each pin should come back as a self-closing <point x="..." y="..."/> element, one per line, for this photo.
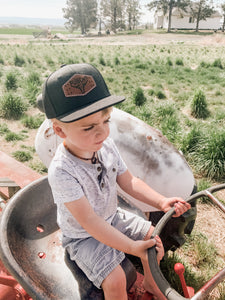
<point x="32" y="252"/>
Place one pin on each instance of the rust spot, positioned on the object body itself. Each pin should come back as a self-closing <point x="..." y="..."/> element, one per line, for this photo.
<point x="41" y="255"/>
<point x="49" y="132"/>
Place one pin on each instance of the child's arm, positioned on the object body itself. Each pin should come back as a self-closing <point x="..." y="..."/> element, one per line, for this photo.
<point x="143" y="192"/>
<point x="98" y="228"/>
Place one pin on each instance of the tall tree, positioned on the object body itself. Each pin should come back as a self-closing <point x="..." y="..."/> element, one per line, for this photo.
<point x="201" y="10"/>
<point x="80" y="14"/>
<point x="114" y="10"/>
<point x="223" y="10"/>
<point x="166" y="6"/>
<point x="133" y="13"/>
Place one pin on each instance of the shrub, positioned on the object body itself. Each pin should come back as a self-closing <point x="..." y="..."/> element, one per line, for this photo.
<point x="179" y="62"/>
<point x="139" y="97"/>
<point x="116" y="61"/>
<point x="11" y="81"/>
<point x="102" y="60"/>
<point x="18" y="61"/>
<point x="3" y="129"/>
<point x="34" y="77"/>
<point x="199" y="106"/>
<point x="38" y="167"/>
<point x="212" y="155"/>
<point x="22" y="156"/>
<point x="12" y="136"/>
<point x="49" y="61"/>
<point x="191" y="140"/>
<point x="32" y="122"/>
<point x="169" y="61"/>
<point x="204" y="64"/>
<point x="160" y="95"/>
<point x="217" y="63"/>
<point x="12" y="107"/>
<point x="1" y="61"/>
<point x="31" y="92"/>
<point x="151" y="92"/>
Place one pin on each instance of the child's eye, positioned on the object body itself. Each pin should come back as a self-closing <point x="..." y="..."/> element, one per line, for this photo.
<point x="107" y="121"/>
<point x="89" y="128"/>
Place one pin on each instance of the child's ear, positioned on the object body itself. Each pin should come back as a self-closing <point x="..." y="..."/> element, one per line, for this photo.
<point x="59" y="130"/>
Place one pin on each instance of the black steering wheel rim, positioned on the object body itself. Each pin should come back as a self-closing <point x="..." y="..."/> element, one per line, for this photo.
<point x="162" y="283"/>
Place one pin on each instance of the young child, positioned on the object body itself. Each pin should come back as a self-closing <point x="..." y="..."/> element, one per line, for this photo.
<point x="83" y="176"/>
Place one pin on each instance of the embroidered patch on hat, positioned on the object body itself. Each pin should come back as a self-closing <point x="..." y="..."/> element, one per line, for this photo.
<point x="78" y="85"/>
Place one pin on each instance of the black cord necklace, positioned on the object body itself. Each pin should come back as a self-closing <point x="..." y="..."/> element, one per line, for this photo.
<point x="93" y="159"/>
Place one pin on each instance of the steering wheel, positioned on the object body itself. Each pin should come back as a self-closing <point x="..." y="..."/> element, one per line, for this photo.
<point x="159" y="278"/>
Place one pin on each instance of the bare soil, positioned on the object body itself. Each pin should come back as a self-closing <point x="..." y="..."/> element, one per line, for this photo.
<point x="215" y="39"/>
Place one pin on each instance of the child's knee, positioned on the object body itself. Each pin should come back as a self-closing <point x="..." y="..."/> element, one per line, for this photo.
<point x="115" y="282"/>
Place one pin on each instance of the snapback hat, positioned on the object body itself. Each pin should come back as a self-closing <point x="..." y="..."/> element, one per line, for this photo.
<point x="74" y="92"/>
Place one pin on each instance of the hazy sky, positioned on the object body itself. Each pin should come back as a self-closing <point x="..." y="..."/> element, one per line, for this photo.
<point x="35" y="8"/>
<point x="51" y="8"/>
<point x="32" y="8"/>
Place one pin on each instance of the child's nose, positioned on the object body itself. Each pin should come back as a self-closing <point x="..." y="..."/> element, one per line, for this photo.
<point x="102" y="130"/>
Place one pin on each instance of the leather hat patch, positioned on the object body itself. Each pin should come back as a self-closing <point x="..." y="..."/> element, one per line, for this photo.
<point x="78" y="85"/>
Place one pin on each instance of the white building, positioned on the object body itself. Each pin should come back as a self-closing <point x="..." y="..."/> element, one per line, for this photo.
<point x="183" y="20"/>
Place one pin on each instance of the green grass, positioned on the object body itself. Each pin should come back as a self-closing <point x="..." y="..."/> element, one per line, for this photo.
<point x="28" y="31"/>
<point x="168" y="75"/>
<point x="201" y="262"/>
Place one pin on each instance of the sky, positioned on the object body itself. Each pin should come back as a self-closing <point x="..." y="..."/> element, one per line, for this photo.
<point x="32" y="8"/>
<point x="36" y="8"/>
<point x="48" y="8"/>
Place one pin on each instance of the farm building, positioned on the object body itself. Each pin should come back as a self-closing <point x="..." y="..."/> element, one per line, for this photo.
<point x="181" y="19"/>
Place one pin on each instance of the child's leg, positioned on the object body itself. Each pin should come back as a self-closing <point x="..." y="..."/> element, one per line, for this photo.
<point x="149" y="283"/>
<point x="114" y="285"/>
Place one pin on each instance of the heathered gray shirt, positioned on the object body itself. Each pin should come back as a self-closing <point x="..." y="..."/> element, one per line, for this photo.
<point x="71" y="178"/>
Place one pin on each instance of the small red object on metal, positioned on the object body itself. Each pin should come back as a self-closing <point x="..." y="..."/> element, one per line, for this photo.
<point x="42" y="255"/>
<point x="188" y="291"/>
<point x="40" y="228"/>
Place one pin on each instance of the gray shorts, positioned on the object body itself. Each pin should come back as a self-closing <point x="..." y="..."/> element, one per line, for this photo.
<point x="97" y="260"/>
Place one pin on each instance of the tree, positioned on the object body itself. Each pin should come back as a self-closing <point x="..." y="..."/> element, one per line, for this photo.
<point x="80" y="13"/>
<point x="114" y="10"/>
<point x="201" y="11"/>
<point x="167" y="6"/>
<point x="223" y="10"/>
<point x="133" y="13"/>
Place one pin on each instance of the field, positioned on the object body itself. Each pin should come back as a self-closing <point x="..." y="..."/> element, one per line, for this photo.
<point x="161" y="76"/>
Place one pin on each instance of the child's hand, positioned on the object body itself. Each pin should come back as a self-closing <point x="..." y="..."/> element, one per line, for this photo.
<point x="140" y="248"/>
<point x="159" y="248"/>
<point x="179" y="204"/>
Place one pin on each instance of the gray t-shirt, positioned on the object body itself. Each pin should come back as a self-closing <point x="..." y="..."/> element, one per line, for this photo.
<point x="71" y="178"/>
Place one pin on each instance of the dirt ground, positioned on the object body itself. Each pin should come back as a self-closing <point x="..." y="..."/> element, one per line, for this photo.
<point x="215" y="39"/>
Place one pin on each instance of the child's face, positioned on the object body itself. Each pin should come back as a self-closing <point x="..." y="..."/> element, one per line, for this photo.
<point x="87" y="134"/>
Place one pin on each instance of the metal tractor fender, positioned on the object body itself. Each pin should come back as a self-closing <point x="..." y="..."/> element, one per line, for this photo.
<point x="147" y="153"/>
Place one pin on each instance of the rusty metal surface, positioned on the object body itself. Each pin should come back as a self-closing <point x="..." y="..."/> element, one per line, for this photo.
<point x="209" y="286"/>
